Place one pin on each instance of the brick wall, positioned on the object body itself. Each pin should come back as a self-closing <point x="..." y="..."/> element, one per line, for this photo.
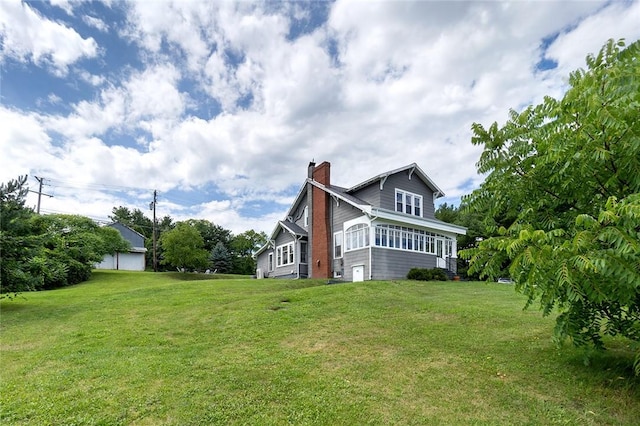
<point x="321" y="230"/>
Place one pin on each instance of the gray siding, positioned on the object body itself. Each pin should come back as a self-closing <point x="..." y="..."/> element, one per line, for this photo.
<point x="340" y="214"/>
<point x="283" y="237"/>
<point x="386" y="198"/>
<point x="395" y="264"/>
<point x="355" y="258"/>
<point x="262" y="262"/>
<point x="135" y="239"/>
<point x="287" y="271"/>
<point x="298" y="214"/>
<point x="370" y="194"/>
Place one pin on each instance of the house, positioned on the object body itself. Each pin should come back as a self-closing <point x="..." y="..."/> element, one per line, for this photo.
<point x="378" y="229"/>
<point x="134" y="259"/>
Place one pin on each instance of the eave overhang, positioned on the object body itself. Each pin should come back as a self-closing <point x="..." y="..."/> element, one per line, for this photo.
<point x="365" y="208"/>
<point x="402" y="218"/>
<point x="413" y="168"/>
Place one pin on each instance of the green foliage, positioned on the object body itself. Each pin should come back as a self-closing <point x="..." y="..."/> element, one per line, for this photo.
<point x="143" y="225"/>
<point x="50" y="251"/>
<point x="479" y="226"/>
<point x="17" y="245"/>
<point x="424" y="274"/>
<point x="243" y="247"/>
<point x="566" y="175"/>
<point x="211" y="233"/>
<point x="134" y="219"/>
<point x="220" y="258"/>
<point x="70" y="246"/>
<point x="183" y="247"/>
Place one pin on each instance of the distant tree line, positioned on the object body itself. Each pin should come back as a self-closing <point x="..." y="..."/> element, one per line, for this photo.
<point x="43" y="252"/>
<point x="193" y="244"/>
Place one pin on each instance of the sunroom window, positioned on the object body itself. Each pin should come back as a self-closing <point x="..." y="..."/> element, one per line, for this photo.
<point x="356" y="237"/>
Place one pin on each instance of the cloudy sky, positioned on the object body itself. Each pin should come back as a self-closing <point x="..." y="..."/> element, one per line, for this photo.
<point x="220" y="106"/>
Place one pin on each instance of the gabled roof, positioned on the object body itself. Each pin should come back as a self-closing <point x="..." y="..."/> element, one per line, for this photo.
<point x="340" y="194"/>
<point x="301" y="193"/>
<point x="288" y="226"/>
<point x="120" y="224"/>
<point x="413" y="168"/>
<point x="292" y="228"/>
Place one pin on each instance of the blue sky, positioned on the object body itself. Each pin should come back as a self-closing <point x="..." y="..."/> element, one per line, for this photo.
<point x="220" y="106"/>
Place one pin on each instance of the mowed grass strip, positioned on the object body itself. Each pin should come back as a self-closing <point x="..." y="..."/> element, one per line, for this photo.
<point x="149" y="349"/>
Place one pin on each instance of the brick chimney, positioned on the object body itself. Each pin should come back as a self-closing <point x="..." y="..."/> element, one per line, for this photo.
<point x="320" y="224"/>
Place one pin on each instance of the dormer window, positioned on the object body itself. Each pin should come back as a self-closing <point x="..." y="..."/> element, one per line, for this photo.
<point x="409" y="203"/>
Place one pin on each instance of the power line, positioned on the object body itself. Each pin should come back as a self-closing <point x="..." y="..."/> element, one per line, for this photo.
<point x="40" y="193"/>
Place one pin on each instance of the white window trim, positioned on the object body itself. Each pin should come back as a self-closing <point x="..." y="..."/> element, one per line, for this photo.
<point x="429" y="239"/>
<point x="341" y="245"/>
<point x="415" y="208"/>
<point x="306" y="216"/>
<point x="366" y="237"/>
<point x="280" y="260"/>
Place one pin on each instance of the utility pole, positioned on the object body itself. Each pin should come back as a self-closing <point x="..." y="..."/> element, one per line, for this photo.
<point x="40" y="194"/>
<point x="153" y="205"/>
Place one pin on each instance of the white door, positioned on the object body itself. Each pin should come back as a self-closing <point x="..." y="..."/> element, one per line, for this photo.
<point x="440" y="263"/>
<point x="358" y="273"/>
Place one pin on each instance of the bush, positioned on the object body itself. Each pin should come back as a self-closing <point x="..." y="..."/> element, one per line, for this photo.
<point x="424" y="274"/>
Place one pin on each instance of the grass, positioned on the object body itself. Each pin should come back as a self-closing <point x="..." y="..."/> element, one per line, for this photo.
<point x="149" y="349"/>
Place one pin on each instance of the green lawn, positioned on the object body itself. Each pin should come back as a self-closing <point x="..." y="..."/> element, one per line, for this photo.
<point x="149" y="349"/>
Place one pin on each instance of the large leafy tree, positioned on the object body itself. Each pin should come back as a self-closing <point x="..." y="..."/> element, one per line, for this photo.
<point x="49" y="251"/>
<point x="17" y="244"/>
<point x="211" y="233"/>
<point x="243" y="247"/>
<point x="183" y="247"/>
<point x="70" y="247"/>
<point x="567" y="175"/>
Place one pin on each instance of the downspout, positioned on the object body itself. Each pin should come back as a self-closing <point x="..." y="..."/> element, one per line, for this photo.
<point x="331" y="248"/>
<point x="297" y="256"/>
<point x="371" y="237"/>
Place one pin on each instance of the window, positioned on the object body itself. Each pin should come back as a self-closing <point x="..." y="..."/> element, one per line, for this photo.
<point x="337" y="245"/>
<point x="306" y="216"/>
<point x="303" y="252"/>
<point x="408" y="203"/>
<point x="284" y="255"/>
<point x="356" y="237"/>
<point x="270" y="266"/>
<point x="409" y="239"/>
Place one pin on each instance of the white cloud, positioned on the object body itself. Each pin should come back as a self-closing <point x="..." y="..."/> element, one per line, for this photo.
<point x="92" y="79"/>
<point x="378" y="86"/>
<point x="96" y="23"/>
<point x="25" y="145"/>
<point x="148" y="100"/>
<point x="617" y="20"/>
<point x="28" y="36"/>
<point x="65" y="5"/>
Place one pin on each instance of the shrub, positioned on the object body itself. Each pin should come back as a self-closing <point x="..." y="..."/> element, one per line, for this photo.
<point x="424" y="274"/>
